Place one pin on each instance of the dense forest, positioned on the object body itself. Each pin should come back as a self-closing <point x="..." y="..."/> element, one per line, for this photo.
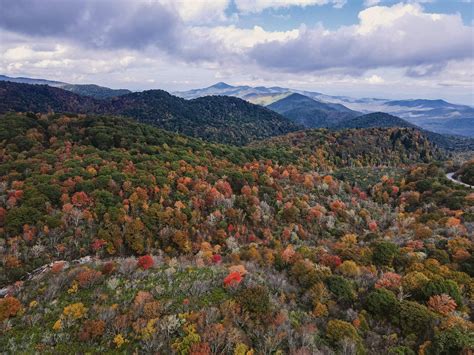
<point x="158" y="242"/>
<point x="215" y="118"/>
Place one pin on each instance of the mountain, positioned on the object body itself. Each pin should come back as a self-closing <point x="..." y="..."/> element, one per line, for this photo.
<point x="435" y="115"/>
<point x="372" y="120"/>
<point x="385" y="120"/>
<point x="311" y="113"/>
<point x="243" y="92"/>
<point x="219" y="119"/>
<point x="96" y="91"/>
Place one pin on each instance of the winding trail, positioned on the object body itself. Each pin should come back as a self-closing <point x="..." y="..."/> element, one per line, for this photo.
<point x="449" y="176"/>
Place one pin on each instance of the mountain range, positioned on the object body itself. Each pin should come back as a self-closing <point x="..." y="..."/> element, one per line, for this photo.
<point x="222" y="119"/>
<point x="434" y="115"/>
<point x="214" y="118"/>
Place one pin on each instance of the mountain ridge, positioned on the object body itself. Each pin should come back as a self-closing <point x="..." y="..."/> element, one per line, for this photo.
<point x="435" y="115"/>
<point x="216" y="118"/>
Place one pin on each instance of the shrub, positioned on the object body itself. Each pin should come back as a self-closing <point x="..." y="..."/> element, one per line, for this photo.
<point x="384" y="253"/>
<point x="254" y="300"/>
<point x="9" y="307"/>
<point x="382" y="303"/>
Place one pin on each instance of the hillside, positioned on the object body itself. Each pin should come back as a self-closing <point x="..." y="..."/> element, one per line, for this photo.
<point x="381" y="120"/>
<point x="219" y="119"/>
<point x="374" y="120"/>
<point x="95" y="91"/>
<point x="310" y="113"/>
<point x="154" y="240"/>
<point x="362" y="147"/>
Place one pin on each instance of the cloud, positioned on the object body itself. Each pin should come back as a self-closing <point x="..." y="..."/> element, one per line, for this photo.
<point x="101" y="24"/>
<point x="155" y="43"/>
<point x="199" y="11"/>
<point x="255" y="6"/>
<point x="375" y="79"/>
<point x="369" y="3"/>
<point x="398" y="36"/>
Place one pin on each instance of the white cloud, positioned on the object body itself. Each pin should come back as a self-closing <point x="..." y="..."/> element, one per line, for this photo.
<point x="369" y="3"/>
<point x="247" y="6"/>
<point x="232" y="39"/>
<point x="398" y="36"/>
<point x="375" y="79"/>
<point x="199" y="11"/>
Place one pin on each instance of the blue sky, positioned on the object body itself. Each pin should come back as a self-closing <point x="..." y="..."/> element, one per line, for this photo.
<point x="293" y="16"/>
<point x="361" y="48"/>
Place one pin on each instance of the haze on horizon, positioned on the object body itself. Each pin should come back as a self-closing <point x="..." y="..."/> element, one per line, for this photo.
<point x="371" y="48"/>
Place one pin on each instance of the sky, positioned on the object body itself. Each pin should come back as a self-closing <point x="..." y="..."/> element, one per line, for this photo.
<point x="360" y="48"/>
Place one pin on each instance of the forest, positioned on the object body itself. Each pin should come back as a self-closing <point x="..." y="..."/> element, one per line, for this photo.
<point x="350" y="242"/>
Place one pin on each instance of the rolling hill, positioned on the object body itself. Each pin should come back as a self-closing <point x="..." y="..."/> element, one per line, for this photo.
<point x="219" y="119"/>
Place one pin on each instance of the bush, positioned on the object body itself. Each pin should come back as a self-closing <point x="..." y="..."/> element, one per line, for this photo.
<point x="382" y="303"/>
<point x="384" y="253"/>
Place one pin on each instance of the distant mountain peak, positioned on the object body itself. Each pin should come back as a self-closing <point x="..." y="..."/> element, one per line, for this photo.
<point x="221" y="85"/>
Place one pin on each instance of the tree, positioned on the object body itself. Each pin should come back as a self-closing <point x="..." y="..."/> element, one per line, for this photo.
<point x="255" y="300"/>
<point x="9" y="307"/>
<point x="382" y="303"/>
<point x="384" y="253"/>
<point x="438" y="287"/>
<point x="341" y="288"/>
<point x="415" y="318"/>
<point x="442" y="304"/>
